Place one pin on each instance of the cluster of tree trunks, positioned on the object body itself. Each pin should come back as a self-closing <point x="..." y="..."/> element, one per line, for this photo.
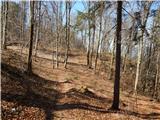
<point x="36" y="32"/>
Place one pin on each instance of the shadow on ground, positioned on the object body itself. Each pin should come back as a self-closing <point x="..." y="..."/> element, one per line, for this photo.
<point x="31" y="91"/>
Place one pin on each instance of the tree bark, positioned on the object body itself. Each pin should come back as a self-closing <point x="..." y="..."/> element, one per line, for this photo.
<point x="112" y="60"/>
<point x="99" y="40"/>
<point x="68" y="8"/>
<point x="140" y="48"/>
<point x="89" y="35"/>
<point x="115" y="104"/>
<point x="125" y="58"/>
<point x="22" y="20"/>
<point x="60" y="29"/>
<point x="157" y="74"/>
<point x="38" y="28"/>
<point x="29" y="69"/>
<point x="5" y="35"/>
<point x="93" y="39"/>
<point x="138" y="62"/>
<point x="85" y="37"/>
<point x="82" y="37"/>
<point x="2" y="17"/>
<point x="57" y="39"/>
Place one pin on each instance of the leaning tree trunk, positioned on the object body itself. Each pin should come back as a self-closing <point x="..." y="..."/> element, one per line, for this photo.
<point x="29" y="69"/>
<point x="115" y="104"/>
<point x="5" y="25"/>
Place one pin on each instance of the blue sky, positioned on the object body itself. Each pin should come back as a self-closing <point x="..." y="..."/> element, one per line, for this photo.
<point x="79" y="6"/>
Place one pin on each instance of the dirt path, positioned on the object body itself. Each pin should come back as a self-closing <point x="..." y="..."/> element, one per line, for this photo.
<point x="48" y="55"/>
<point x="78" y="89"/>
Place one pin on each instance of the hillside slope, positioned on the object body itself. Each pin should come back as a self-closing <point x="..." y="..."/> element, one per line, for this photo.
<point x="75" y="93"/>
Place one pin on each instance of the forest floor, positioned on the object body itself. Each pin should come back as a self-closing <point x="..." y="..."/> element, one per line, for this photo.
<point x="75" y="93"/>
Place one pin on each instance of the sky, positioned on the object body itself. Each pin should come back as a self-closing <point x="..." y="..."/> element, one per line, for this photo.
<point x="78" y="5"/>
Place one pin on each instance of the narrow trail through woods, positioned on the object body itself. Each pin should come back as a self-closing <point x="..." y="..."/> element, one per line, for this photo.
<point x="79" y="93"/>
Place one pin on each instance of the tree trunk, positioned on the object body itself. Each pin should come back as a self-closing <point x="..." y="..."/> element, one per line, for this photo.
<point x="5" y="35"/>
<point x="68" y="8"/>
<point x="138" y="62"/>
<point x="140" y="49"/>
<point x="66" y="53"/>
<point x="22" y="20"/>
<point x="125" y="57"/>
<point x="89" y="35"/>
<point x="29" y="69"/>
<point x="85" y="37"/>
<point x="157" y="74"/>
<point x="82" y="37"/>
<point x="38" y="28"/>
<point x="149" y="58"/>
<point x="2" y="18"/>
<point x="57" y="40"/>
<point x="115" y="104"/>
<point x="92" y="49"/>
<point x="88" y="48"/>
<point x="112" y="61"/>
<point x="60" y="29"/>
<point x="99" y="40"/>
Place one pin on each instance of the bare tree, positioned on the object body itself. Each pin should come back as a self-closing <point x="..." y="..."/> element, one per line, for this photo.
<point x="140" y="43"/>
<point x="112" y="59"/>
<point x="115" y="104"/>
<point x="22" y="19"/>
<point x="29" y="69"/>
<point x="89" y="34"/>
<point x="157" y="73"/>
<point x="57" y="39"/>
<point x="68" y="12"/>
<point x="6" y="4"/>
<point x="99" y="36"/>
<point x="93" y="39"/>
<point x="38" y="28"/>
